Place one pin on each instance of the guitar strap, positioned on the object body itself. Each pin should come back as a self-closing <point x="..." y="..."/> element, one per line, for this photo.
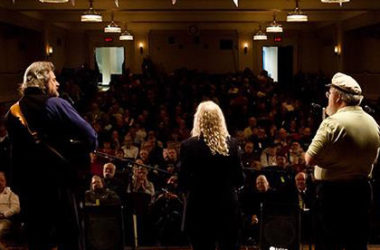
<point x="16" y="112"/>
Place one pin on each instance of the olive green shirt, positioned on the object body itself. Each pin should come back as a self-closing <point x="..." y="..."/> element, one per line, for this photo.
<point x="345" y="145"/>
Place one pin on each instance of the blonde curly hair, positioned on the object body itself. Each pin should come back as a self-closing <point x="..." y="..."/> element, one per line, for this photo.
<point x="209" y="122"/>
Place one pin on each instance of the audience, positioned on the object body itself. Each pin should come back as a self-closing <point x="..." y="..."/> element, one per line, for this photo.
<point x="9" y="206"/>
<point x="145" y="117"/>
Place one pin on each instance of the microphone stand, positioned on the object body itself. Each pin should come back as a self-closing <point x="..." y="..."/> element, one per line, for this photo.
<point x="130" y="162"/>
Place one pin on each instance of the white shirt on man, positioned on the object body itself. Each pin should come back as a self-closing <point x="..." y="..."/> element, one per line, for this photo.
<point x="9" y="203"/>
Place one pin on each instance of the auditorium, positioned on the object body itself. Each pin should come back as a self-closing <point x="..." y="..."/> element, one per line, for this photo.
<point x="189" y="124"/>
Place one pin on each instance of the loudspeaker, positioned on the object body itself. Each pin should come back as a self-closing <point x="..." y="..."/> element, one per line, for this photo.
<point x="279" y="226"/>
<point x="104" y="228"/>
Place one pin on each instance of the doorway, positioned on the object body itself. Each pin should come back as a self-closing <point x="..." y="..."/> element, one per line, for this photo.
<point x="278" y="61"/>
<point x="110" y="61"/>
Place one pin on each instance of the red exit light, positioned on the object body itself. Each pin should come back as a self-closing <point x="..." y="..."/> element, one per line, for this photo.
<point x="278" y="39"/>
<point x="108" y="39"/>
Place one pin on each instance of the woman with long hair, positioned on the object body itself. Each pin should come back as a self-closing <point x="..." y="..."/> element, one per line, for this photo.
<point x="210" y="173"/>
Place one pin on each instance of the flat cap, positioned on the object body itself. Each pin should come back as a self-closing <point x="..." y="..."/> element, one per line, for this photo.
<point x="346" y="84"/>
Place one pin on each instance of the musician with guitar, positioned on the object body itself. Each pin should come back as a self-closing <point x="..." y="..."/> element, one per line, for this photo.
<point x="45" y="131"/>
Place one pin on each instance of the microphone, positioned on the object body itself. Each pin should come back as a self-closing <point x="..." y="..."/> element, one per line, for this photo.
<point x="316" y="105"/>
<point x="368" y="109"/>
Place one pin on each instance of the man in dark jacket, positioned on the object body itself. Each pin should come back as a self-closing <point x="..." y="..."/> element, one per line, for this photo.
<point x="44" y="132"/>
<point x="98" y="195"/>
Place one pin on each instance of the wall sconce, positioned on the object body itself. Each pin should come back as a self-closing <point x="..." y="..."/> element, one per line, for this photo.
<point x="245" y="48"/>
<point x="337" y="50"/>
<point x="141" y="47"/>
<point x="49" y="50"/>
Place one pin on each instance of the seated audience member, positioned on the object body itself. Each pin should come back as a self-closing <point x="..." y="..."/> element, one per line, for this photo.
<point x="107" y="149"/>
<point x="269" y="156"/>
<point x="140" y="134"/>
<point x="98" y="195"/>
<point x="144" y="155"/>
<point x="248" y="131"/>
<point x="260" y="139"/>
<point x="296" y="153"/>
<point x="9" y="206"/>
<point x="112" y="182"/>
<point x="115" y="140"/>
<point x="306" y="137"/>
<point x="171" y="156"/>
<point x="119" y="153"/>
<point x="96" y="166"/>
<point x="239" y="135"/>
<point x="256" y="165"/>
<point x="249" y="155"/>
<point x="140" y="182"/>
<point x="281" y="162"/>
<point x="155" y="153"/>
<point x="130" y="151"/>
<point x="282" y="137"/>
<point x="251" y="202"/>
<point x="282" y="177"/>
<point x="170" y="161"/>
<point x="167" y="215"/>
<point x="304" y="197"/>
<point x="4" y="149"/>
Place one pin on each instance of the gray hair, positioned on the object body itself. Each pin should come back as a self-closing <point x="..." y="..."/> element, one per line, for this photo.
<point x="348" y="98"/>
<point x="37" y="75"/>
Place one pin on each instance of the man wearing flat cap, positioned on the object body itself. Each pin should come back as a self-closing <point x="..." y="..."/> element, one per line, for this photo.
<point x="343" y="151"/>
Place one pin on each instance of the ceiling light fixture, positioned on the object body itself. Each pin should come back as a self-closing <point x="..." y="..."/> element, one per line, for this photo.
<point x="54" y="1"/>
<point x="274" y="27"/>
<point x="236" y="2"/>
<point x="112" y="27"/>
<point x="335" y="1"/>
<point x="174" y="2"/>
<point x="126" y="36"/>
<point x="260" y="35"/>
<point x="91" y="15"/>
<point x="297" y="15"/>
